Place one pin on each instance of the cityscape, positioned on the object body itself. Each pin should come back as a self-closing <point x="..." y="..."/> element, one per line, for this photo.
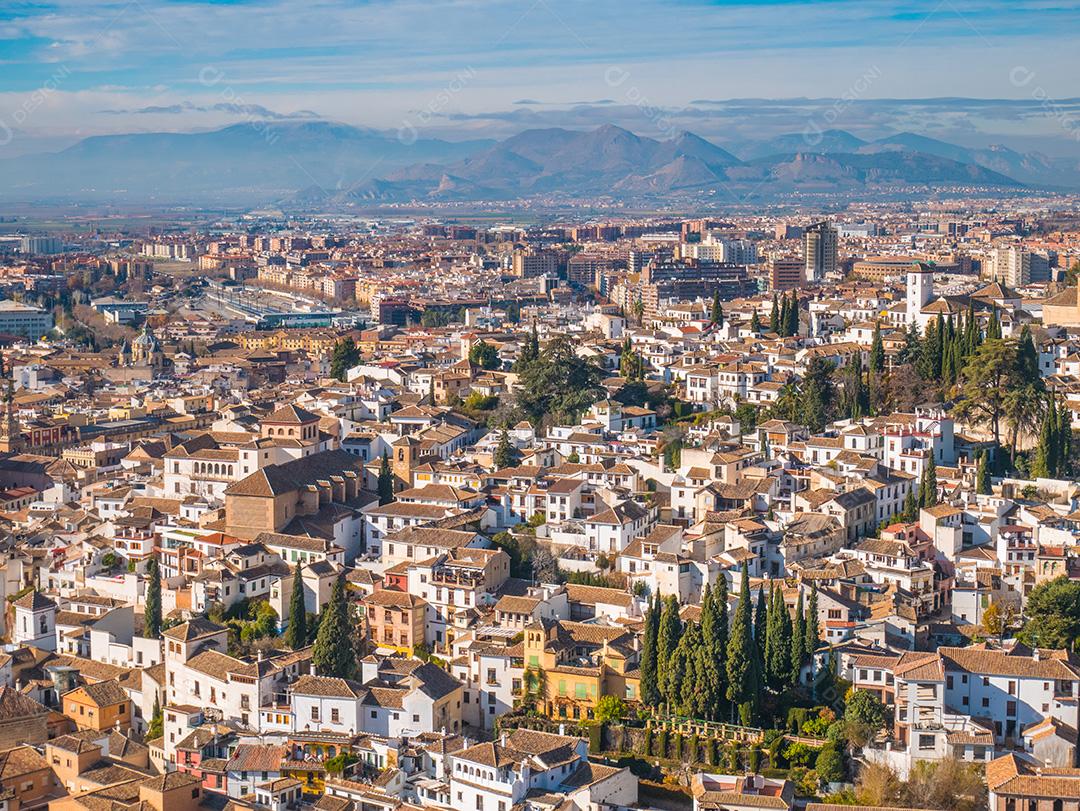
<point x="495" y="406"/>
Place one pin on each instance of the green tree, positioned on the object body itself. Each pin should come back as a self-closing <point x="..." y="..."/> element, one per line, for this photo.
<point x="559" y="382"/>
<point x="798" y="637"/>
<point x="982" y="475"/>
<point x="928" y="485"/>
<point x="877" y="353"/>
<point x="709" y="673"/>
<point x="667" y="639"/>
<point x="506" y="454"/>
<point x="152" y="609"/>
<point x="761" y="630"/>
<point x="650" y="693"/>
<point x="864" y="717"/>
<point x="774" y="315"/>
<point x="484" y="355"/>
<point x="345" y="356"/>
<point x="333" y="653"/>
<point x="990" y="373"/>
<point x="716" y="313"/>
<point x="1052" y="610"/>
<point x="156" y="728"/>
<point x="386" y="481"/>
<point x="296" y="632"/>
<point x="609" y="710"/>
<point x="742" y="689"/>
<point x="530" y="351"/>
<point x="830" y="764"/>
<point x="778" y="642"/>
<point x="811" y="638"/>
<point x="791" y="324"/>
<point x="818" y="395"/>
<point x="755" y="323"/>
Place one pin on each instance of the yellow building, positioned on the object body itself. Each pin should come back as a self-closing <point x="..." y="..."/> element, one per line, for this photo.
<point x="104" y="705"/>
<point x="571" y="665"/>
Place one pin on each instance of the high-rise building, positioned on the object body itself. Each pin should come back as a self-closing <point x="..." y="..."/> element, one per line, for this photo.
<point x="528" y="264"/>
<point x="786" y="273"/>
<point x="819" y="250"/>
<point x="41" y="245"/>
<point x="1015" y="266"/>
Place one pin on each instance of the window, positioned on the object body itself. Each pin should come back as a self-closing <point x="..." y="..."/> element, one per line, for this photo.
<point x="314" y="713"/>
<point x="926" y="741"/>
<point x="335" y="715"/>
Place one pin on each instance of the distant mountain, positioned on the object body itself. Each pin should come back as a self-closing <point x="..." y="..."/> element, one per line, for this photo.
<point x="807" y="142"/>
<point x="610" y="161"/>
<point x="252" y="161"/>
<point x="316" y="163"/>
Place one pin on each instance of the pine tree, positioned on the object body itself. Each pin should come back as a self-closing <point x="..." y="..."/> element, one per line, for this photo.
<point x="333" y="653"/>
<point x="774" y="316"/>
<point x="296" y="632"/>
<point x="667" y="639"/>
<point x="742" y="678"/>
<point x="982" y="475"/>
<point x="386" y="482"/>
<point x="650" y="694"/>
<point x="152" y="609"/>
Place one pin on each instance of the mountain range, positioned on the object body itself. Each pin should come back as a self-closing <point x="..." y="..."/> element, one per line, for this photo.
<point x="325" y="163"/>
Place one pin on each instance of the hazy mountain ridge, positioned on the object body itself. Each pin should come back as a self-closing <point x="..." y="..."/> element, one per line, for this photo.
<point x="314" y="162"/>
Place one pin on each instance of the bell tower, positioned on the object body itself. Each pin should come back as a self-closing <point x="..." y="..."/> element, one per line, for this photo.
<point x="10" y="433"/>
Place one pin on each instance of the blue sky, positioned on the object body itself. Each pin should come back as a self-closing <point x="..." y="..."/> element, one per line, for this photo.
<point x="456" y="67"/>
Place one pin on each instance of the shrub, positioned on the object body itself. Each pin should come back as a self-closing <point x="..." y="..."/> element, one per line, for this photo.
<point x="754" y="759"/>
<point x="661" y="743"/>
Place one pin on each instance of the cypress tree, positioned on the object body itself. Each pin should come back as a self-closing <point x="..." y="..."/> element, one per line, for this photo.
<point x="650" y="694"/>
<point x="1045" y="460"/>
<point x="1065" y="438"/>
<point x="709" y="664"/>
<point x="667" y="638"/>
<point x="792" y="325"/>
<point x="1027" y="356"/>
<point x="152" y="609"/>
<point x="810" y="631"/>
<point x="778" y="644"/>
<point x="798" y="640"/>
<point x="774" y="316"/>
<point x="993" y="326"/>
<point x="982" y="475"/>
<point x="782" y="319"/>
<point x="156" y="728"/>
<point x="386" y="482"/>
<point x="296" y="633"/>
<point x="911" y="506"/>
<point x="679" y="667"/>
<point x="928" y="486"/>
<point x="877" y="353"/>
<point x="755" y="322"/>
<point x="716" y="316"/>
<point x="761" y="628"/>
<point x="333" y="653"/>
<point x="742" y="687"/>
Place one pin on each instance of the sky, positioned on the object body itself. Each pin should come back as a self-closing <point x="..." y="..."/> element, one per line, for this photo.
<point x="465" y="68"/>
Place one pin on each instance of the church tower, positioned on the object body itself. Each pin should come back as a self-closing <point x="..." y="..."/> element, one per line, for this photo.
<point x="10" y="432"/>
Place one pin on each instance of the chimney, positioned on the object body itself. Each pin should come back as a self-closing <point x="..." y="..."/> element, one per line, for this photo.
<point x="562" y="729"/>
<point x="1036" y="655"/>
<point x="503" y="738"/>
